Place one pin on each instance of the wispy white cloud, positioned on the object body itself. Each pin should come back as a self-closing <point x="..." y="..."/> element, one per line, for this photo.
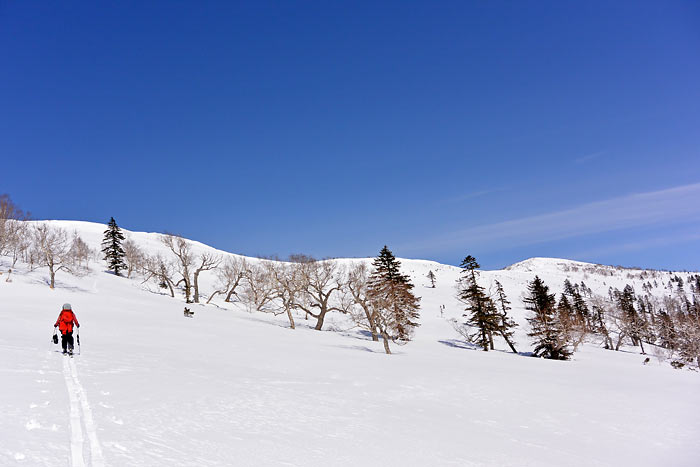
<point x="655" y="242"/>
<point x="589" y="157"/>
<point x="471" y="195"/>
<point x="680" y="203"/>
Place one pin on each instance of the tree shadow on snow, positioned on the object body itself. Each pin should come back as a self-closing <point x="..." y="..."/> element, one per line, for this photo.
<point x="458" y="344"/>
<point x="360" y="347"/>
<point x="45" y="281"/>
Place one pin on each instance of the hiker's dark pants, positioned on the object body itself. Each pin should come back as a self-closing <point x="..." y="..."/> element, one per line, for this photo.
<point x="67" y="340"/>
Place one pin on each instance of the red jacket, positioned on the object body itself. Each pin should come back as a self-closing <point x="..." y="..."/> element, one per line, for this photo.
<point x="65" y="321"/>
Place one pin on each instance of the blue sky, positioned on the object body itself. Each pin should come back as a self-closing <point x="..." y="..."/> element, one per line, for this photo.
<point x="504" y="130"/>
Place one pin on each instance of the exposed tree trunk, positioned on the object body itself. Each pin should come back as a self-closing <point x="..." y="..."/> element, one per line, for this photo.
<point x="291" y="318"/>
<point x="491" y="340"/>
<point x="188" y="289"/>
<point x="213" y="295"/>
<point x="373" y="327"/>
<point x="196" y="286"/>
<point x="170" y="286"/>
<point x="620" y="338"/>
<point x="232" y="290"/>
<point x="386" y="343"/>
<point x="319" y="320"/>
<point x="510" y="344"/>
<point x="642" y="346"/>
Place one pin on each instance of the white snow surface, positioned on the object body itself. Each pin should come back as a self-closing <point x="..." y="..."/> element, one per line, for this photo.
<point x="229" y="387"/>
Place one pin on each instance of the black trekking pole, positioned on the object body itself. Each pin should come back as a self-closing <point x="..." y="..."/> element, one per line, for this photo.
<point x="77" y="336"/>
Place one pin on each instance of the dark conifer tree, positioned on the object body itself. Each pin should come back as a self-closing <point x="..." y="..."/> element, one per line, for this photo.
<point x="112" y="247"/>
<point x="581" y="310"/>
<point x="395" y="308"/>
<point x="634" y="325"/>
<point x="546" y="330"/>
<point x="481" y="312"/>
<point x="564" y="308"/>
<point x="431" y="277"/>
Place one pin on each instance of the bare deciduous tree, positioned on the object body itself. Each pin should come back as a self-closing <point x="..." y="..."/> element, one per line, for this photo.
<point x="185" y="260"/>
<point x="229" y="275"/>
<point x="318" y="281"/>
<point x="689" y="336"/>
<point x="287" y="287"/>
<point x="80" y="252"/>
<point x="361" y="312"/>
<point x="157" y="268"/>
<point x="20" y="242"/>
<point x="258" y="288"/>
<point x="207" y="262"/>
<point x="53" y="250"/>
<point x="12" y="228"/>
<point x="133" y="257"/>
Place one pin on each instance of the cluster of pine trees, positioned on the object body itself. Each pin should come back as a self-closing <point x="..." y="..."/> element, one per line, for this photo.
<point x="486" y="315"/>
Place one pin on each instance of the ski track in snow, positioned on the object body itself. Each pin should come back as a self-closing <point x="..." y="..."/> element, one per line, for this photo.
<point x="78" y="403"/>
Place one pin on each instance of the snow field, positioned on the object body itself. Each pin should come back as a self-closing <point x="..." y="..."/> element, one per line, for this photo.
<point x="227" y="387"/>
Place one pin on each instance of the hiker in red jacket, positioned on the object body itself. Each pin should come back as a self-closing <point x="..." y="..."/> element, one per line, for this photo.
<point x="65" y="324"/>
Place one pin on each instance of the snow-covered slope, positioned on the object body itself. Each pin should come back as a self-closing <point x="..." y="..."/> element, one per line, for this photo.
<point x="152" y="388"/>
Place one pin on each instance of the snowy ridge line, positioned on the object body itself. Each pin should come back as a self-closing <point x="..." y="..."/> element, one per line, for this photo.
<point x="96" y="459"/>
<point x="76" y="436"/>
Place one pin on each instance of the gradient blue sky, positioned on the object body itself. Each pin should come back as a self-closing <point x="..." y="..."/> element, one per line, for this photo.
<point x="504" y="130"/>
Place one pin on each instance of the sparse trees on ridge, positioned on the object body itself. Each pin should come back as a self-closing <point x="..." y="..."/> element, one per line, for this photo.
<point x="664" y="316"/>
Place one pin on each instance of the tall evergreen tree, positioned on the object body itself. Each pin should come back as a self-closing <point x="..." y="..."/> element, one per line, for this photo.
<point x="395" y="308"/>
<point x="112" y="247"/>
<point x="577" y="304"/>
<point x="480" y="310"/>
<point x="550" y="341"/>
<point x="507" y="323"/>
